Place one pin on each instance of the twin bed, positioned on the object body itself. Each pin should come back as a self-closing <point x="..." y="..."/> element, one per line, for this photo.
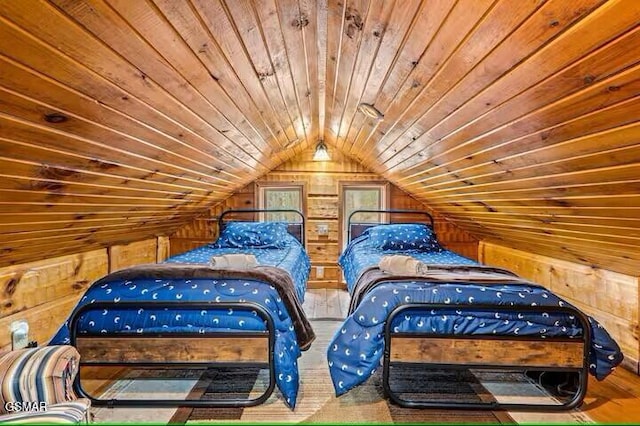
<point x="184" y="313"/>
<point x="454" y="314"/>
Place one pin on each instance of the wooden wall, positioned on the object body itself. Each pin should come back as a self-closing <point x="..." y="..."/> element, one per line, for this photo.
<point x="322" y="204"/>
<point x="145" y="251"/>
<point x="45" y="292"/>
<point x="516" y="119"/>
<point x="610" y="297"/>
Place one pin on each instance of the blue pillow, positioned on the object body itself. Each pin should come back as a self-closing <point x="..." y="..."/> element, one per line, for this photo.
<point x="403" y="236"/>
<point x="254" y="235"/>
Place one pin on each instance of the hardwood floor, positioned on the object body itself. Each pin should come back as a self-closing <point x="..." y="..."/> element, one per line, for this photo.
<point x="614" y="400"/>
<point x="320" y="303"/>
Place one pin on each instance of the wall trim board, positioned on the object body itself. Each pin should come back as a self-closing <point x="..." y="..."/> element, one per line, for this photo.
<point x="164" y="248"/>
<point x="631" y="364"/>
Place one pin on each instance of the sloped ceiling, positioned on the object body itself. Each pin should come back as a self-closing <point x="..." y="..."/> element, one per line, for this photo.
<point x="518" y="119"/>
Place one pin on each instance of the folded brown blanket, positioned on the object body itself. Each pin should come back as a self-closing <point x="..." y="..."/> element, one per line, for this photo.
<point x="436" y="273"/>
<point x="278" y="278"/>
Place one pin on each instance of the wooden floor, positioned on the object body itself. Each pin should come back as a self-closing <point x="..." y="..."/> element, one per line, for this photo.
<point x="322" y="303"/>
<point x="614" y="400"/>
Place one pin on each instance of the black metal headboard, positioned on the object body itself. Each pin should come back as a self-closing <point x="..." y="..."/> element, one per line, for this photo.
<point x="295" y="228"/>
<point x="355" y="229"/>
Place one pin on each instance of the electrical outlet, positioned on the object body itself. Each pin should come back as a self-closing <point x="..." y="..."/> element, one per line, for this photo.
<point x="19" y="334"/>
<point x="319" y="271"/>
<point x="323" y="229"/>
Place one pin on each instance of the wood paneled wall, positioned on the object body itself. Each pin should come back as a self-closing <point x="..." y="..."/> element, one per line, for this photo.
<point x="45" y="292"/>
<point x="166" y="113"/>
<point x="322" y="181"/>
<point x="145" y="251"/>
<point x="517" y="119"/>
<point x="610" y="297"/>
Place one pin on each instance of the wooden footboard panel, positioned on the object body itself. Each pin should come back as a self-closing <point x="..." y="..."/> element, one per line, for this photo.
<point x="170" y="349"/>
<point x="487" y="351"/>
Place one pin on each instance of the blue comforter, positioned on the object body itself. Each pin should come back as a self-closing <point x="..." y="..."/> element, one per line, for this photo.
<point x="357" y="347"/>
<point x="293" y="258"/>
<point x="360" y="256"/>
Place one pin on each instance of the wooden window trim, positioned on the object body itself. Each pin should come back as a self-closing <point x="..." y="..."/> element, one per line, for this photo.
<point x="268" y="184"/>
<point x="356" y="184"/>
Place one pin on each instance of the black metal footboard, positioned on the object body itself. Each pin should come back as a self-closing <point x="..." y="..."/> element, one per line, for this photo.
<point x="192" y="351"/>
<point x="455" y="352"/>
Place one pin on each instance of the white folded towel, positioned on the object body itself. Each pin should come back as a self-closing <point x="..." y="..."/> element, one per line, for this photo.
<point x="234" y="261"/>
<point x="402" y="265"/>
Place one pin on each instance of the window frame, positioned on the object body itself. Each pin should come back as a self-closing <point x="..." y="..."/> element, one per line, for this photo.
<point x="342" y="217"/>
<point x="262" y="186"/>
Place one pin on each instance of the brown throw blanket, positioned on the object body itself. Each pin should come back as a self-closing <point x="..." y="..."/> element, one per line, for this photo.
<point x="436" y="273"/>
<point x="278" y="278"/>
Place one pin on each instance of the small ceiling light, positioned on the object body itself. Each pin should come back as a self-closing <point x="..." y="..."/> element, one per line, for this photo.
<point x="321" y="153"/>
<point x="370" y="111"/>
<point x="55" y="117"/>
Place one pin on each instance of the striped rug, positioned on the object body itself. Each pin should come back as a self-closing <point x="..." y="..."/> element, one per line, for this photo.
<point x="316" y="400"/>
<point x="318" y="404"/>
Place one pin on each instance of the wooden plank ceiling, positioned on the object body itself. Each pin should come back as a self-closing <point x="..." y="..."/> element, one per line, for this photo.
<point x="518" y="119"/>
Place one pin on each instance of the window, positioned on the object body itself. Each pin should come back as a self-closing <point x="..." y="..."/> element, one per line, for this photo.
<point x="278" y="196"/>
<point x="367" y="196"/>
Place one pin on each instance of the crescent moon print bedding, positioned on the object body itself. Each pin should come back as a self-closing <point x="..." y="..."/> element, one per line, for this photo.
<point x="284" y="252"/>
<point x="357" y="347"/>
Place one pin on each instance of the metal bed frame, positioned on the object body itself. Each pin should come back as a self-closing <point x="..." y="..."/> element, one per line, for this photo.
<point x="581" y="367"/>
<point x="268" y="334"/>
<point x="295" y="229"/>
<point x="355" y="229"/>
<point x="105" y="359"/>
<point x="578" y="365"/>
